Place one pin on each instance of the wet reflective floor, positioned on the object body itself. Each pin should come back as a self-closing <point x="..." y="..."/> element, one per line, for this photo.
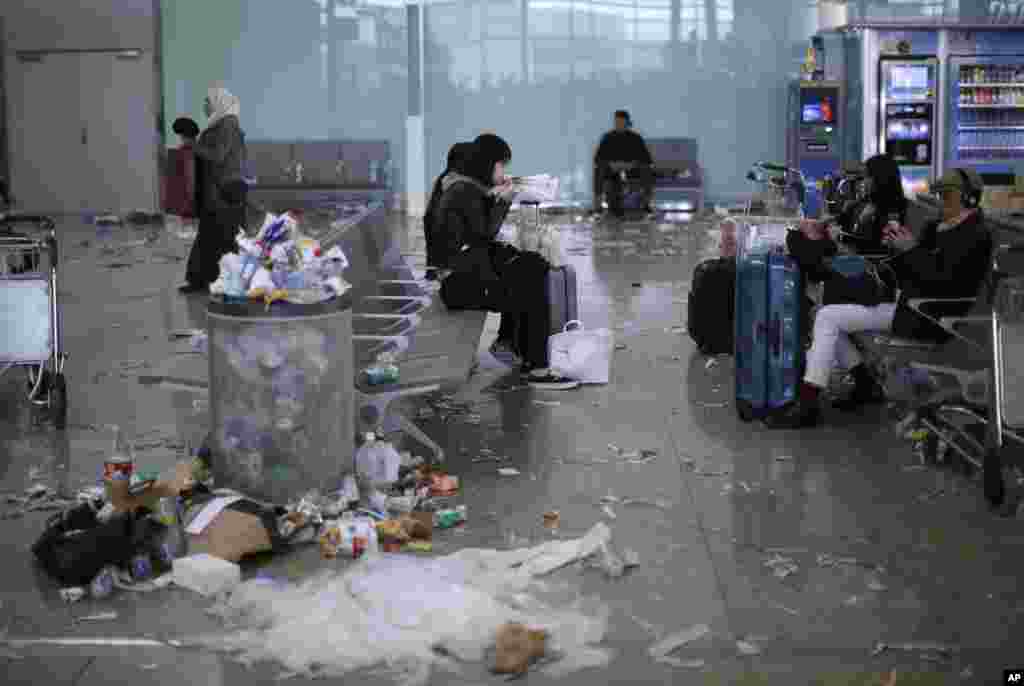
<point x="801" y="550"/>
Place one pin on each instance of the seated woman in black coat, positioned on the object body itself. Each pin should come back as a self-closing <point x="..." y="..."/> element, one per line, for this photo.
<point x="485" y="273"/>
<point x="949" y="260"/>
<point x="865" y="222"/>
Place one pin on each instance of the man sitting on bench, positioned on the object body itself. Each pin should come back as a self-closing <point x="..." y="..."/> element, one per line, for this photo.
<point x="949" y="261"/>
<point x="621" y="153"/>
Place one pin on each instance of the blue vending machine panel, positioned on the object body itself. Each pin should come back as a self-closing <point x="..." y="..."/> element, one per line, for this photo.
<point x="815" y="143"/>
<point x="986" y="113"/>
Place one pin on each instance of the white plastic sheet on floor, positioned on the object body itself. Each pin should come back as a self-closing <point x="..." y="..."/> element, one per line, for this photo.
<point x="409" y="615"/>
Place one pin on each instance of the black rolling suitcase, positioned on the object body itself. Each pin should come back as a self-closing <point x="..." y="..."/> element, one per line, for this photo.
<point x="711" y="306"/>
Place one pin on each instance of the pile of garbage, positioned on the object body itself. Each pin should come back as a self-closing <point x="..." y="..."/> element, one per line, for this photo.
<point x="281" y="263"/>
<point x="393" y="608"/>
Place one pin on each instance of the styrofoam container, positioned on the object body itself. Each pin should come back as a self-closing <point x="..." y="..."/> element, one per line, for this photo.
<point x="205" y="574"/>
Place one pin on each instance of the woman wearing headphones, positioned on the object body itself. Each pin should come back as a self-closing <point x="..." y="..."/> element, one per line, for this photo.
<point x="948" y="260"/>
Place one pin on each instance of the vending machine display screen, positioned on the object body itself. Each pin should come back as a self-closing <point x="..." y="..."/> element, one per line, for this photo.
<point x="908" y="130"/>
<point x="909" y="82"/>
<point x="817" y="108"/>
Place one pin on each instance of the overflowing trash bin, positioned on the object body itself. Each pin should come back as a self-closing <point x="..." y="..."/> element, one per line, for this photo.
<point x="281" y="397"/>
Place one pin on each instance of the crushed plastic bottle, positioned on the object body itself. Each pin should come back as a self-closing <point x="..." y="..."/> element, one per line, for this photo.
<point x="447" y="519"/>
<point x="384" y="371"/>
<point x="377" y="461"/>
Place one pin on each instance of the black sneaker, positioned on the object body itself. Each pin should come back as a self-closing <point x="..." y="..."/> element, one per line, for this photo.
<point x="503" y="352"/>
<point x="859" y="397"/>
<point x="798" y="415"/>
<point x="551" y="382"/>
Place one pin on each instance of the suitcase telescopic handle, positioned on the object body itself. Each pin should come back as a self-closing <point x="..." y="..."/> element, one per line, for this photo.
<point x="775" y="336"/>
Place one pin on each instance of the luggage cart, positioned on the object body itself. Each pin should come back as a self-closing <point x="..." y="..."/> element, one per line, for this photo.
<point x="783" y="190"/>
<point x="30" y="327"/>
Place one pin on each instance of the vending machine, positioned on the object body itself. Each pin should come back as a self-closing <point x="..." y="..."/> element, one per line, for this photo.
<point x="908" y="113"/>
<point x="987" y="114"/>
<point x="814" y="142"/>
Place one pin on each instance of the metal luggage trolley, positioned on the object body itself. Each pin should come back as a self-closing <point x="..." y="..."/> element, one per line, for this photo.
<point x="782" y="193"/>
<point x="30" y="331"/>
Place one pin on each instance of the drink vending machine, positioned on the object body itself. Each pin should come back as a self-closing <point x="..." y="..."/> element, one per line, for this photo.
<point x="987" y="113"/>
<point x="908" y="109"/>
<point x="814" y="142"/>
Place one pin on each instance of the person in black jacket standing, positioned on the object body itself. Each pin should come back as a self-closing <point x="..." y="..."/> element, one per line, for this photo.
<point x="949" y="260"/>
<point x="220" y="155"/>
<point x="485" y="273"/>
<point x="621" y="144"/>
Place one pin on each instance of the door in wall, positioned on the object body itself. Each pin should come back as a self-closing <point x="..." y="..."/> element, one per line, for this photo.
<point x="45" y="133"/>
<point x="82" y="132"/>
<point x="120" y="123"/>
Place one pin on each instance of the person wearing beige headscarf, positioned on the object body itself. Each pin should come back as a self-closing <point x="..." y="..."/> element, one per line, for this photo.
<point x="220" y="156"/>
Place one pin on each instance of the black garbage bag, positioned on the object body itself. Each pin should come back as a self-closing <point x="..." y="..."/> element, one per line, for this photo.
<point x="75" y="545"/>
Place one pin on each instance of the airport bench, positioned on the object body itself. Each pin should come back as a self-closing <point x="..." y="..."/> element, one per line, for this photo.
<point x="396" y="312"/>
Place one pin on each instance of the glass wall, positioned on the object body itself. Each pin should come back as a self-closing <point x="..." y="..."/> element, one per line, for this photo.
<point x="547" y="75"/>
<point x="303" y="69"/>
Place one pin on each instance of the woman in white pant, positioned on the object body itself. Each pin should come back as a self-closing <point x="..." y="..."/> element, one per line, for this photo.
<point x="949" y="260"/>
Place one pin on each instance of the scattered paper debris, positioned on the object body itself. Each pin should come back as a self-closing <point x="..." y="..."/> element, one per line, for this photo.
<point x="676" y="640"/>
<point x="609" y="512"/>
<point x="781" y="566"/>
<point x="98" y="617"/>
<point x="787" y="610"/>
<point x="508" y="471"/>
<point x="748" y="648"/>
<point x="941" y="649"/>
<point x="547" y="403"/>
<point x="683" y="664"/>
<point x="72" y="595"/>
<point x="875" y="584"/>
<point x="711" y="363"/>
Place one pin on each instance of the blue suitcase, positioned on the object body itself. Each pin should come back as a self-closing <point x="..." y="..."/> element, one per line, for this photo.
<point x="768" y="340"/>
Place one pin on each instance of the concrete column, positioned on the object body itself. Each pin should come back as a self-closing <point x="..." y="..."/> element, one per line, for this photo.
<point x="415" y="135"/>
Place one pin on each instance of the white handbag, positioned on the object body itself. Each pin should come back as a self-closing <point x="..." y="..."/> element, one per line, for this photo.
<point x="582" y="355"/>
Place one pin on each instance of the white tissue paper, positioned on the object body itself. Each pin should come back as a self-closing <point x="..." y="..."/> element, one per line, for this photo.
<point x="336" y="254"/>
<point x="261" y="281"/>
<point x="539" y="188"/>
<point x="409" y="615"/>
<point x="279" y="254"/>
<point x="337" y="285"/>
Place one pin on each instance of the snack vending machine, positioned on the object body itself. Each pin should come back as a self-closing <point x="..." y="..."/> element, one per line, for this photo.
<point x="987" y="114"/>
<point x="814" y="143"/>
<point x="908" y="110"/>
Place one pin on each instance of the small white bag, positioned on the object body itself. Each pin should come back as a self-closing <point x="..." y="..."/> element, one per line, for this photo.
<point x="585" y="356"/>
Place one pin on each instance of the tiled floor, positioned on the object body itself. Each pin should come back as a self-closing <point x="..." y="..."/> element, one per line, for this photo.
<point x="733" y="496"/>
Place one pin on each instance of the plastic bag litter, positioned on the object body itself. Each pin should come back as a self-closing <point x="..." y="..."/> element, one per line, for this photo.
<point x="410" y="615"/>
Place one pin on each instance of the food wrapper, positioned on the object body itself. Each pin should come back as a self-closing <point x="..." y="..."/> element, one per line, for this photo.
<point x="443" y="485"/>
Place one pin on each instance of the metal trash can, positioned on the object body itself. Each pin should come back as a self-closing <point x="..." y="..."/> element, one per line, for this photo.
<point x="281" y="398"/>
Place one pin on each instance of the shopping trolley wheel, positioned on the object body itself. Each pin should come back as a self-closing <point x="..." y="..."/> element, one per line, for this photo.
<point x="59" y="401"/>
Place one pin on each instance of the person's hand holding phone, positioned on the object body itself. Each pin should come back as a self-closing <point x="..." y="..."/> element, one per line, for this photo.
<point x="814" y="229"/>
<point x="899" y="237"/>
